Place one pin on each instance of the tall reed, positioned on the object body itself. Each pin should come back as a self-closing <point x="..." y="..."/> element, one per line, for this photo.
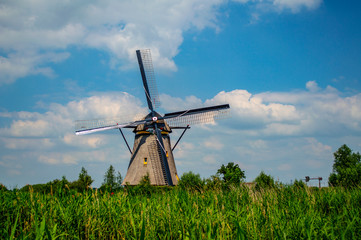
<point x="239" y="213"/>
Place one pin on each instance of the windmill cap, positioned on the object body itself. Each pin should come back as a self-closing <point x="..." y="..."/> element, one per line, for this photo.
<point x="161" y="124"/>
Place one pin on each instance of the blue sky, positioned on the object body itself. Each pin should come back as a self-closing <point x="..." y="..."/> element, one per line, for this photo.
<point x="290" y="69"/>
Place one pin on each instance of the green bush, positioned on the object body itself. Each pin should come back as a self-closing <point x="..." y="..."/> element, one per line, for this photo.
<point x="299" y="184"/>
<point x="55" y="187"/>
<point x="2" y="187"/>
<point x="143" y="188"/>
<point x="264" y="181"/>
<point x="346" y="168"/>
<point x="111" y="182"/>
<point x="213" y="183"/>
<point x="232" y="174"/>
<point x="191" y="181"/>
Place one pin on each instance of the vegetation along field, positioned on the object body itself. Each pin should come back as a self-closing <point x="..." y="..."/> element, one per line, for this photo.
<point x="221" y="207"/>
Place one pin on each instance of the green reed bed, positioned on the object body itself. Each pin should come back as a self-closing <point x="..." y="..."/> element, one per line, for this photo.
<point x="239" y="213"/>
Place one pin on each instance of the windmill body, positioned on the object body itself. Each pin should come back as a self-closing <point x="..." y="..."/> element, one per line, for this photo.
<point x="152" y="152"/>
<point x="146" y="157"/>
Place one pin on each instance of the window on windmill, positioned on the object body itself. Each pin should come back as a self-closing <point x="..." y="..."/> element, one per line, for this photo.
<point x="145" y="161"/>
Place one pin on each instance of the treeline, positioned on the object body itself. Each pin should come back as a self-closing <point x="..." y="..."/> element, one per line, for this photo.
<point x="346" y="173"/>
<point x="83" y="183"/>
<point x="227" y="177"/>
<point x="111" y="182"/>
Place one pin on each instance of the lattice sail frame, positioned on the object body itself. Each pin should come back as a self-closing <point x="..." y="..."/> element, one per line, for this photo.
<point x="183" y="119"/>
<point x="81" y="125"/>
<point x="149" y="73"/>
<point x="198" y="118"/>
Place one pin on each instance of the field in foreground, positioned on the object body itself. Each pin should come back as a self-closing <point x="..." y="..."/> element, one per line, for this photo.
<point x="239" y="213"/>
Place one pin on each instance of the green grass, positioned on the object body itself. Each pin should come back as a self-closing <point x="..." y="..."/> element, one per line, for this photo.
<point x="239" y="213"/>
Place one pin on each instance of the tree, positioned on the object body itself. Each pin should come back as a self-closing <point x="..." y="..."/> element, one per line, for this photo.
<point x="214" y="182"/>
<point x="84" y="181"/>
<point x="2" y="187"/>
<point x="191" y="181"/>
<point x="232" y="174"/>
<point x="264" y="181"/>
<point x="111" y="182"/>
<point x="299" y="184"/>
<point x="119" y="179"/>
<point x="55" y="186"/>
<point x="346" y="168"/>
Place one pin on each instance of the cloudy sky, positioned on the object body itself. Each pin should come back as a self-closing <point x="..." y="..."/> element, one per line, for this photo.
<point x="290" y="69"/>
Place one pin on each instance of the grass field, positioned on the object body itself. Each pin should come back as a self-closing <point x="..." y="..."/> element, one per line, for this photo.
<point x="240" y="213"/>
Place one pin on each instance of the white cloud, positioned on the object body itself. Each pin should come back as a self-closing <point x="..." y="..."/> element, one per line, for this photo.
<point x="118" y="27"/>
<point x="312" y="86"/>
<point x="28" y="143"/>
<point x="325" y="112"/>
<point x="22" y="64"/>
<point x="57" y="159"/>
<point x="59" y="120"/>
<point x="30" y="28"/>
<point x="210" y="159"/>
<point x="172" y="104"/>
<point x="296" y="5"/>
<point x="284" y="167"/>
<point x="279" y="5"/>
<point x="14" y="172"/>
<point x="72" y="158"/>
<point x="183" y="149"/>
<point x="213" y="143"/>
<point x="88" y="141"/>
<point x="251" y="111"/>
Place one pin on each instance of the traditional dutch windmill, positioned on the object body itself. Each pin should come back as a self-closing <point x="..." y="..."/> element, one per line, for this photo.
<point x="152" y="152"/>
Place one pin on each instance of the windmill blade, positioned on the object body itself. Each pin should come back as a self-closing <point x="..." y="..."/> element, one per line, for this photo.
<point x="149" y="83"/>
<point x="197" y="116"/>
<point x="83" y="127"/>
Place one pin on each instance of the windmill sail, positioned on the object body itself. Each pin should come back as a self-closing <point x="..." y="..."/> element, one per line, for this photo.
<point x="83" y="127"/>
<point x="197" y="116"/>
<point x="148" y="77"/>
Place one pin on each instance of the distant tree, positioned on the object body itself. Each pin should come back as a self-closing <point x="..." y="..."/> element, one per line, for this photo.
<point x="299" y="184"/>
<point x="84" y="181"/>
<point x="109" y="178"/>
<point x="214" y="182"/>
<point x="144" y="187"/>
<point x="232" y="174"/>
<point x="111" y="182"/>
<point x="264" y="181"/>
<point x="2" y="187"/>
<point x="55" y="186"/>
<point x="119" y="179"/>
<point x="191" y="181"/>
<point x="346" y="168"/>
<point x="145" y="181"/>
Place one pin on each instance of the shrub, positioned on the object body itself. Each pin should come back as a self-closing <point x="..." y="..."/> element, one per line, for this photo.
<point x="191" y="181"/>
<point x="346" y="168"/>
<point x="214" y="182"/>
<point x="232" y="174"/>
<point x="299" y="184"/>
<point x="2" y="187"/>
<point x="264" y="181"/>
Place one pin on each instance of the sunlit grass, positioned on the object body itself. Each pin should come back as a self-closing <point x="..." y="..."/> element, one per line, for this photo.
<point x="239" y="213"/>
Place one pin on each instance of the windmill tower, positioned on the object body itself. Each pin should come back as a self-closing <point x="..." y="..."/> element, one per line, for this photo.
<point x="152" y="152"/>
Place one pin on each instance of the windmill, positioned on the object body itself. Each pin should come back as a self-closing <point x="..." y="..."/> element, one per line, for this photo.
<point x="152" y="153"/>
